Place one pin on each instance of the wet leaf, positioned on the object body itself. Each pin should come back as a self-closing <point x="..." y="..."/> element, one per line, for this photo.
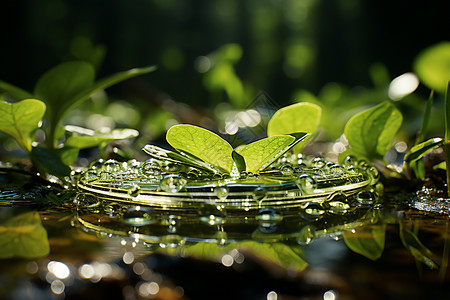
<point x="87" y="138"/>
<point x="299" y="117"/>
<point x="203" y="144"/>
<point x="260" y="154"/>
<point x="21" y="119"/>
<point x="432" y="66"/>
<point x="370" y="133"/>
<point x="418" y="151"/>
<point x="367" y="241"/>
<point x="23" y="236"/>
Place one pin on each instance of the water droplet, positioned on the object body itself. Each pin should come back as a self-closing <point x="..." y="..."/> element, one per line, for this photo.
<point x="221" y="192"/>
<point x="259" y="193"/>
<point x="318" y="162"/>
<point x="171" y="167"/>
<point x="337" y="170"/>
<point x="96" y="164"/>
<point x="172" y="222"/>
<point x="306" y="235"/>
<point x="366" y="197"/>
<point x="172" y="183"/>
<point x="86" y="200"/>
<point x="111" y="166"/>
<point x="243" y="175"/>
<point x="212" y="214"/>
<point x="314" y="209"/>
<point x="90" y="175"/>
<point x="138" y="216"/>
<point x="151" y="168"/>
<point x="134" y="190"/>
<point x="269" y="214"/>
<point x="306" y="183"/>
<point x="374" y="175"/>
<point x="350" y="161"/>
<point x="363" y="164"/>
<point x="104" y="175"/>
<point x="338" y="206"/>
<point x="287" y="169"/>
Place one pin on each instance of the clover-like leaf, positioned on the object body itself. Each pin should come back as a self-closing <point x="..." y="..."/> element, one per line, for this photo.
<point x="23" y="236"/>
<point x="21" y="119"/>
<point x="261" y="154"/>
<point x="299" y="117"/>
<point x="86" y="138"/>
<point x="370" y="132"/>
<point x="202" y="144"/>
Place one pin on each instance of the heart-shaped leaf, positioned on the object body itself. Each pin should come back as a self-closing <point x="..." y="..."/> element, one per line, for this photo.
<point x="86" y="138"/>
<point x="21" y="119"/>
<point x="260" y="154"/>
<point x="299" y="117"/>
<point x="370" y="133"/>
<point x="23" y="236"/>
<point x="202" y="144"/>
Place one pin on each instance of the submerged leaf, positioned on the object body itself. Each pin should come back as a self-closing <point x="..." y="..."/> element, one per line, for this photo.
<point x="299" y="117"/>
<point x="21" y="119"/>
<point x="370" y="133"/>
<point x="203" y="144"/>
<point x="23" y="236"/>
<point x="367" y="241"/>
<point x="85" y="138"/>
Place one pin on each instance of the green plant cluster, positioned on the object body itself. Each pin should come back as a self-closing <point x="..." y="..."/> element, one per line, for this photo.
<point x="56" y="93"/>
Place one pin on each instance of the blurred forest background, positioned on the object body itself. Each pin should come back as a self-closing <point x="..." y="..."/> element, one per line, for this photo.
<point x="216" y="56"/>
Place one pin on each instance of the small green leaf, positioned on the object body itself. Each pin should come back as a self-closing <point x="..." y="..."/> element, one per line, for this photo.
<point x="370" y="132"/>
<point x="239" y="161"/>
<point x="299" y="117"/>
<point x="16" y="92"/>
<point x="432" y="66"/>
<point x="367" y="241"/>
<point x="23" y="236"/>
<point x="261" y="154"/>
<point x="86" y="138"/>
<point x="419" y="150"/>
<point x="51" y="161"/>
<point x="21" y="119"/>
<point x="202" y="144"/>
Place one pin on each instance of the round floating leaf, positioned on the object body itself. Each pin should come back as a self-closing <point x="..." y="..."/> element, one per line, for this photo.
<point x="203" y="144"/>
<point x="432" y="66"/>
<point x="21" y="119"/>
<point x="370" y="132"/>
<point x="299" y="117"/>
<point x="260" y="154"/>
<point x="367" y="241"/>
<point x="86" y="138"/>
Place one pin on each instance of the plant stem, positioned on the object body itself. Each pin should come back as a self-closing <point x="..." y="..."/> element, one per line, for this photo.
<point x="447" y="135"/>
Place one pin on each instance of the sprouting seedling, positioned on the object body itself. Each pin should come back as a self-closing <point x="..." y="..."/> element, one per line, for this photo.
<point x="206" y="150"/>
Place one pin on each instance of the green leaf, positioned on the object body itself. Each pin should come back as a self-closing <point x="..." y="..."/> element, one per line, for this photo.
<point x="260" y="154"/>
<point x="370" y="132"/>
<point x="86" y="138"/>
<point x="202" y="144"/>
<point x="61" y="84"/>
<point x="239" y="161"/>
<point x="21" y="119"/>
<point x="418" y="250"/>
<point x="367" y="240"/>
<point x="23" y="236"/>
<point x="14" y="91"/>
<point x="183" y="158"/>
<point x="53" y="161"/>
<point x="299" y="117"/>
<point x="419" y="150"/>
<point x="432" y="66"/>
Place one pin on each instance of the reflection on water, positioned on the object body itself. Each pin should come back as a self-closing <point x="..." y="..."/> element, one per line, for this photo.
<point x="137" y="252"/>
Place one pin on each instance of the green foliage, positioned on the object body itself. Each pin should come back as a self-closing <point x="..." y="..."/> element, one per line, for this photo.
<point x="432" y="66"/>
<point x="299" y="117"/>
<point x="23" y="236"/>
<point x="370" y="133"/>
<point x="59" y="90"/>
<point x="20" y="120"/>
<point x="413" y="157"/>
<point x="205" y="145"/>
<point x="367" y="240"/>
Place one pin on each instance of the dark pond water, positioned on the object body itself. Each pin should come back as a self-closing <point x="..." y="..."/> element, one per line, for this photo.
<point x="106" y="250"/>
